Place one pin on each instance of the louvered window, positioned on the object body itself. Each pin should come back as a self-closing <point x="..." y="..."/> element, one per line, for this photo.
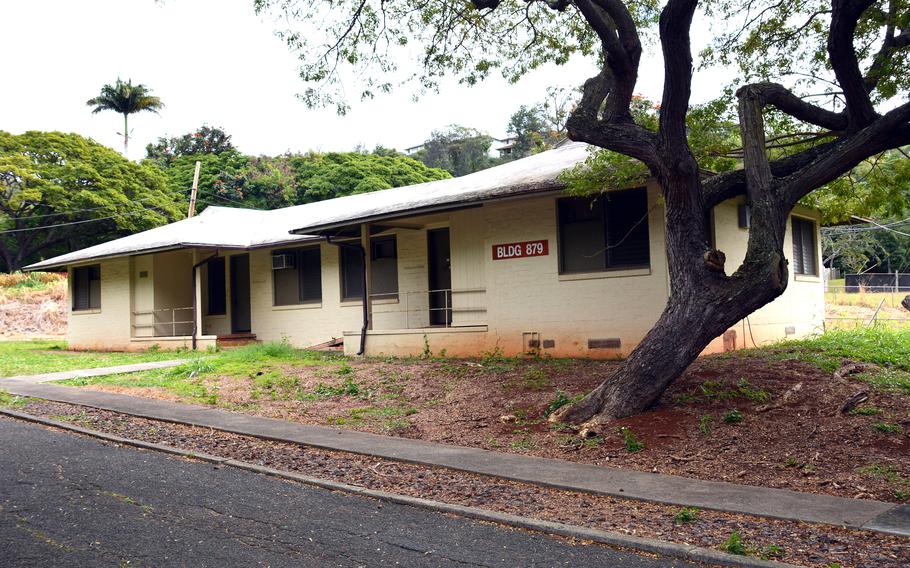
<point x="87" y="288"/>
<point x="804" y="258"/>
<point x="605" y="232"/>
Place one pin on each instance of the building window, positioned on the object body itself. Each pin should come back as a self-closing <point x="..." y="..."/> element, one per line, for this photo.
<point x="351" y="274"/>
<point x="297" y="276"/>
<point x="87" y="288"/>
<point x="804" y="259"/>
<point x="384" y="268"/>
<point x="217" y="292"/>
<point x="606" y="232"/>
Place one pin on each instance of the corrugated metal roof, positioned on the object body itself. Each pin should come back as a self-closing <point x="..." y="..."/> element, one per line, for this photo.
<point x="225" y="227"/>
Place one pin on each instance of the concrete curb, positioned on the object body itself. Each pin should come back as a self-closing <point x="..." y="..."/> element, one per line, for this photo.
<point x="877" y="516"/>
<point x="674" y="550"/>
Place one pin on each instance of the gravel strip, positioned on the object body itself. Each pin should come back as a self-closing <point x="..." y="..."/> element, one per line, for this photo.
<point x="789" y="541"/>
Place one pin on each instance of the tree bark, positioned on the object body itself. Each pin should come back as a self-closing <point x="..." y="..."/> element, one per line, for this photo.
<point x="703" y="304"/>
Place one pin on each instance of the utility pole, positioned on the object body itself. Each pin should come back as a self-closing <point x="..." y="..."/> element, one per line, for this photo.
<point x="195" y="188"/>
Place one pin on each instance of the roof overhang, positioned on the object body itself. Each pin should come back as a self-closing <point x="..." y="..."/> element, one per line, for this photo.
<point x="405" y="213"/>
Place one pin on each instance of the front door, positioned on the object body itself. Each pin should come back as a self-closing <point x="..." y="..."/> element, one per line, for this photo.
<point x="240" y="293"/>
<point x="440" y="276"/>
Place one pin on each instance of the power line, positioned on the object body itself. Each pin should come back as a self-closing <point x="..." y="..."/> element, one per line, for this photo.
<point x="71" y="223"/>
<point x="213" y="194"/>
<point x="81" y="210"/>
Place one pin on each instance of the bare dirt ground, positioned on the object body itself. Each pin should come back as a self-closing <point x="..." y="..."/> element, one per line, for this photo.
<point x="794" y="542"/>
<point x="33" y="313"/>
<point x="730" y="418"/>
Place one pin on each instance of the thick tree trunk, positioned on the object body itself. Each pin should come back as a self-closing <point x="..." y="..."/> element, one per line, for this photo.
<point x="704" y="302"/>
<point x="690" y="321"/>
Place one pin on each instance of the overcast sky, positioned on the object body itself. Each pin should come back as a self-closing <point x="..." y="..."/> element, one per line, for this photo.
<point x="216" y="62"/>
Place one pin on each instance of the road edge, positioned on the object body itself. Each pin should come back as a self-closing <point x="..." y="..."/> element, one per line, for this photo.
<point x="671" y="549"/>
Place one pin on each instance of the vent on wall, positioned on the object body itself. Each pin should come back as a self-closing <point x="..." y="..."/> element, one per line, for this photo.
<point x="607" y="343"/>
<point x="790" y="330"/>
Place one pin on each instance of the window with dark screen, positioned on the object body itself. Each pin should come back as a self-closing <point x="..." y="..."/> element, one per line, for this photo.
<point x="87" y="287"/>
<point x="606" y="232"/>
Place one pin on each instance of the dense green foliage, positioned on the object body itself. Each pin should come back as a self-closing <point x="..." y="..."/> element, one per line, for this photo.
<point x="763" y="40"/>
<point x="457" y="150"/>
<point x="205" y="140"/>
<point x="49" y="179"/>
<point x="527" y="126"/>
<point x="231" y="179"/>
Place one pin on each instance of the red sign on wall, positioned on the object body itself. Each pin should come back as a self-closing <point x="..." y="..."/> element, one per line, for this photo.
<point x="520" y="250"/>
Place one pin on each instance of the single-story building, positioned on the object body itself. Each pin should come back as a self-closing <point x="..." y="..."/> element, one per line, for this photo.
<point x="501" y="260"/>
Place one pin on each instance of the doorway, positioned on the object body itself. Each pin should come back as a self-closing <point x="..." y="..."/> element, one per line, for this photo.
<point x="240" y="294"/>
<point x="440" y="277"/>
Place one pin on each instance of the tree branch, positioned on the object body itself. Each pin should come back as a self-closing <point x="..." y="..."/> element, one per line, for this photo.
<point x="733" y="183"/>
<point x="845" y="15"/>
<point x="786" y="101"/>
<point x="752" y="129"/>
<point x="890" y="44"/>
<point x="675" y="22"/>
<point x="890" y="131"/>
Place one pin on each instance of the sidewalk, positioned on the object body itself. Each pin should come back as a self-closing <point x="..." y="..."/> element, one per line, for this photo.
<point x="778" y="503"/>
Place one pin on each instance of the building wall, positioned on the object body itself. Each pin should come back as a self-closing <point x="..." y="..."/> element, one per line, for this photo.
<point x="528" y="296"/>
<point x="798" y="312"/>
<point x="303" y="325"/>
<point x="108" y="328"/>
<point x="513" y="306"/>
<point x="173" y="296"/>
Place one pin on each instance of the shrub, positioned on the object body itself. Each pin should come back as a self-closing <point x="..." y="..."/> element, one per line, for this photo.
<point x="685" y="515"/>
<point x="733" y="417"/>
<point x="734" y="544"/>
<point x="630" y="441"/>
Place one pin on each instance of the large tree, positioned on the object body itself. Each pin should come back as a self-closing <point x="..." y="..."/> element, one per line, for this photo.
<point x="59" y="192"/>
<point x="229" y="178"/>
<point x="204" y="140"/>
<point x="458" y="150"/>
<point x="125" y="98"/>
<point x="828" y="77"/>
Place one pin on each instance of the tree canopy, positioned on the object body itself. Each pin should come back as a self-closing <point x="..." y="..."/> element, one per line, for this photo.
<point x="229" y="178"/>
<point x="205" y="140"/>
<point x="817" y="89"/>
<point x="62" y="191"/>
<point x="458" y="150"/>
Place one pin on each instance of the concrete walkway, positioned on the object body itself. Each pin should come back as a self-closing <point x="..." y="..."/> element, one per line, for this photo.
<point x="96" y="372"/>
<point x="762" y="501"/>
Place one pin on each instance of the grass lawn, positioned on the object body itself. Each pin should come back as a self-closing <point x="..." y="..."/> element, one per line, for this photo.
<point x="34" y="357"/>
<point x="731" y="417"/>
<point x="262" y="364"/>
<point x="880" y="345"/>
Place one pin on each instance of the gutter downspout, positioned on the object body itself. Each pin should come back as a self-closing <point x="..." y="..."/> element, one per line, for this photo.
<point x="363" y="270"/>
<point x="195" y="307"/>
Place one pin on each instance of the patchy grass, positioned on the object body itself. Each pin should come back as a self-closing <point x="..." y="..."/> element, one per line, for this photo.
<point x="36" y="357"/>
<point x="880" y="345"/>
<point x="262" y="363"/>
<point x="12" y="401"/>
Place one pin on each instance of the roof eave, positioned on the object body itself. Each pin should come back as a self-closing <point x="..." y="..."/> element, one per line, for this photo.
<point x="435" y="208"/>
<point x="50" y="265"/>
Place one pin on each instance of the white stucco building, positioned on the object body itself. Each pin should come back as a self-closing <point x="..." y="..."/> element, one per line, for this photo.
<point x="500" y="259"/>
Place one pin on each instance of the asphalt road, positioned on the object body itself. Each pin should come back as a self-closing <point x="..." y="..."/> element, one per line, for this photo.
<point x="66" y="500"/>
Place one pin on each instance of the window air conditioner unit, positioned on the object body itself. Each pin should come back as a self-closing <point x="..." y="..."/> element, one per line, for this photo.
<point x="281" y="261"/>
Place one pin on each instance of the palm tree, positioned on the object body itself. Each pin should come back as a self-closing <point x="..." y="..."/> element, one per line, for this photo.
<point x="126" y="99"/>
